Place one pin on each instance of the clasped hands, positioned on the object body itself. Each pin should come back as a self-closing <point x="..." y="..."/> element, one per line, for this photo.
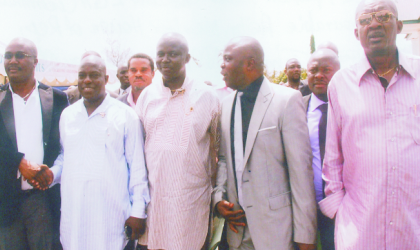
<point x="235" y="218"/>
<point x="39" y="176"/>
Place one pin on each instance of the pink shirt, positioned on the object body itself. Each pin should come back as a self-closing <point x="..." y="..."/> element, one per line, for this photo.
<point x="372" y="159"/>
<point x="179" y="130"/>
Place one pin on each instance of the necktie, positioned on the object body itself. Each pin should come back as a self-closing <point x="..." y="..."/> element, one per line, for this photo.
<point x="322" y="129"/>
<point x="322" y="134"/>
<point x="238" y="144"/>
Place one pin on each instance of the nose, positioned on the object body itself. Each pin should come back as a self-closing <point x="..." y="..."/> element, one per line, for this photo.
<point x="222" y="65"/>
<point x="165" y="58"/>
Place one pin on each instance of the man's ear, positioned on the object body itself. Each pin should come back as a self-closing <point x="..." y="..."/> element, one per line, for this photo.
<point x="399" y="26"/>
<point x="250" y="63"/>
<point x="106" y="79"/>
<point x="356" y="33"/>
<point x="35" y="62"/>
<point x="187" y="58"/>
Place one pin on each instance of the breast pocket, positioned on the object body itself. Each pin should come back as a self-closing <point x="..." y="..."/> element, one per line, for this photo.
<point x="267" y="130"/>
<point x="414" y="123"/>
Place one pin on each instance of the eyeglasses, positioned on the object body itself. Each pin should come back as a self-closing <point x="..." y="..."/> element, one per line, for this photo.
<point x="18" y="55"/>
<point x="381" y="16"/>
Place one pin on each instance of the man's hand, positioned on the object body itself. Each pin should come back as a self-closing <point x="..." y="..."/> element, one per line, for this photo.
<point x="303" y="246"/>
<point x="233" y="217"/>
<point x="43" y="178"/>
<point x="137" y="225"/>
<point x="28" y="169"/>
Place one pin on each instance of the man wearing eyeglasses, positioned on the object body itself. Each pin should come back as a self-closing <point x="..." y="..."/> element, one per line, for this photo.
<point x="372" y="156"/>
<point x="30" y="142"/>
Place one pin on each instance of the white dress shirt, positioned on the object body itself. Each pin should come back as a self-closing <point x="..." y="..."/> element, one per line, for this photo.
<point x="314" y="115"/>
<point x="102" y="173"/>
<point x="28" y="125"/>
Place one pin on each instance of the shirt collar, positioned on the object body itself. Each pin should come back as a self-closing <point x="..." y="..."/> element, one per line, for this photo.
<point x="364" y="66"/>
<point x="251" y="91"/>
<point x="35" y="90"/>
<point x="314" y="103"/>
<point x="130" y="99"/>
<point x="126" y="90"/>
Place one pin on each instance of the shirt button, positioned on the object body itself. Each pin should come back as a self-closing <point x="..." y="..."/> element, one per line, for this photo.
<point x="45" y="143"/>
<point x="393" y="192"/>
<point x="391" y="223"/>
<point x="393" y="168"/>
<point x="392" y="139"/>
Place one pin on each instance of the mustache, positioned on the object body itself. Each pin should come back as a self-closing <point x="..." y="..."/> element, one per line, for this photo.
<point x="376" y="34"/>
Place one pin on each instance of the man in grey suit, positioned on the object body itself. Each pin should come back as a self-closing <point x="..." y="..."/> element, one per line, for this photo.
<point x="264" y="187"/>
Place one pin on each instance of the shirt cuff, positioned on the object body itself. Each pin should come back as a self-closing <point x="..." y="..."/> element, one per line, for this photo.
<point x="330" y="204"/>
<point x="138" y="210"/>
<point x="57" y="179"/>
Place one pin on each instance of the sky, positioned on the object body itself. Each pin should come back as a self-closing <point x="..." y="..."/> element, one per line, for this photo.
<point x="63" y="30"/>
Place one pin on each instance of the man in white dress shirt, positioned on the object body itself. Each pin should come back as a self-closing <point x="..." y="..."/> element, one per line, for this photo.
<point x="321" y="68"/>
<point x="101" y="167"/>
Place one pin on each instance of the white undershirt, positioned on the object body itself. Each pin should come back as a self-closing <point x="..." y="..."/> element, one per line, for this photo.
<point x="28" y="124"/>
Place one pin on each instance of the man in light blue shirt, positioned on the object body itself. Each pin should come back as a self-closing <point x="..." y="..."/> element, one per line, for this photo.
<point x="321" y="67"/>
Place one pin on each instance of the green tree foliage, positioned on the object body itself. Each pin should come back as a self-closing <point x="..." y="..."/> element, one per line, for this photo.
<point x="280" y="77"/>
<point x="312" y="45"/>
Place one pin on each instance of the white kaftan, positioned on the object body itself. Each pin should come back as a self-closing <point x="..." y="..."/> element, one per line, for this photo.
<point x="102" y="173"/>
<point x="178" y="131"/>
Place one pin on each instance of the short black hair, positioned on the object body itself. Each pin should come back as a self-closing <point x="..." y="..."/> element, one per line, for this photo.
<point x="142" y="55"/>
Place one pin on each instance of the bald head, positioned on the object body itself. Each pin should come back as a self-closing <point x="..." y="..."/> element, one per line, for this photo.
<point x="27" y="44"/>
<point x="20" y="61"/>
<point x="249" y="47"/>
<point x="175" y="38"/>
<point x="243" y="62"/>
<point x="94" y="60"/>
<point x="322" y="66"/>
<point x="325" y="53"/>
<point x="328" y="45"/>
<point x="368" y="6"/>
<point x="90" y="53"/>
<point x="92" y="80"/>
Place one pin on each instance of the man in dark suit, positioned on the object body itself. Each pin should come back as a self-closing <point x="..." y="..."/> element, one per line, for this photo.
<point x="30" y="142"/>
<point x="321" y="67"/>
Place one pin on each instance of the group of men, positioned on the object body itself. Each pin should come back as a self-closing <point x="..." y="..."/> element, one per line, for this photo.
<point x="157" y="162"/>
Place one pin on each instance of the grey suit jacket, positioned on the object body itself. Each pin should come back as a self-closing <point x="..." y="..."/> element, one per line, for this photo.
<point x="306" y="100"/>
<point x="277" y="182"/>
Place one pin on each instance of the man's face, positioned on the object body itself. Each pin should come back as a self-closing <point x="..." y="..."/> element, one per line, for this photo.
<point x="171" y="58"/>
<point x="320" y="71"/>
<point x="19" y="70"/>
<point x="122" y="75"/>
<point x="293" y="70"/>
<point x="140" y="73"/>
<point x="92" y="80"/>
<point x="376" y="37"/>
<point x="233" y="67"/>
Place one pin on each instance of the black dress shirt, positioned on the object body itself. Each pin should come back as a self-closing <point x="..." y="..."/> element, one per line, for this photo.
<point x="247" y="106"/>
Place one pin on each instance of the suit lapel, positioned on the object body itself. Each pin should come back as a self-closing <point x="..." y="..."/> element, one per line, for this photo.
<point x="6" y="109"/>
<point x="261" y="104"/>
<point x="46" y="97"/>
<point x="306" y="100"/>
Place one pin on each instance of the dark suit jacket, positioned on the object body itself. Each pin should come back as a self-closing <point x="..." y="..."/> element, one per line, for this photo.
<point x="52" y="104"/>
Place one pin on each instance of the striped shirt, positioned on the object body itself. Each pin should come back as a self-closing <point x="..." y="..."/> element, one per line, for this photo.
<point x="179" y="129"/>
<point x="372" y="159"/>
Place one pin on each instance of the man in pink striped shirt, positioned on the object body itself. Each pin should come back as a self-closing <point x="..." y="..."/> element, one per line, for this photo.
<point x="372" y="160"/>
